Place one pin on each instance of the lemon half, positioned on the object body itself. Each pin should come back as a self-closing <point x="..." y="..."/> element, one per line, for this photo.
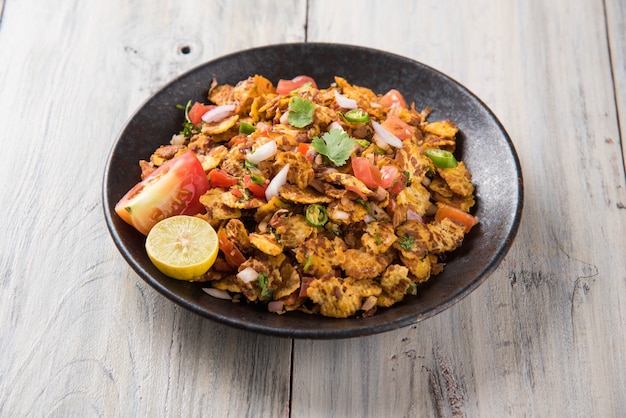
<point x="182" y="247"/>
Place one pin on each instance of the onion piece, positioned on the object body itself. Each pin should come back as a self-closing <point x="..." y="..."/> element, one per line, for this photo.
<point x="335" y="125"/>
<point x="262" y="153"/>
<point x="248" y="275"/>
<point x="178" y="139"/>
<point x="284" y="118"/>
<point x="412" y="216"/>
<point x="345" y="102"/>
<point x="340" y="215"/>
<point x="218" y="113"/>
<point x="276" y="306"/>
<point x="386" y="136"/>
<point x="217" y="293"/>
<point x="277" y="182"/>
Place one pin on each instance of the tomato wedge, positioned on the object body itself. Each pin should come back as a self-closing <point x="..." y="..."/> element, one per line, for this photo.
<point x="231" y="252"/>
<point x="197" y="110"/>
<point x="287" y="86"/>
<point x="172" y="189"/>
<point x="393" y="98"/>
<point x="457" y="215"/>
<point x="398" y="127"/>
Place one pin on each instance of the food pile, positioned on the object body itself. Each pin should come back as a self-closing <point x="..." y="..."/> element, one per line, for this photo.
<point x="332" y="201"/>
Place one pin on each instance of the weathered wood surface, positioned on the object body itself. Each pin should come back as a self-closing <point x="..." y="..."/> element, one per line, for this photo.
<point x="82" y="335"/>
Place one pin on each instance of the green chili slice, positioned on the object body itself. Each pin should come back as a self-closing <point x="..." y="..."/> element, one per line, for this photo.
<point x="441" y="158"/>
<point x="246" y="128"/>
<point x="357" y="115"/>
<point x="316" y="215"/>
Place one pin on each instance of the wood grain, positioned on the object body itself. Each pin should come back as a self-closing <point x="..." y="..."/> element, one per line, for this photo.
<point x="510" y="346"/>
<point x="82" y="335"/>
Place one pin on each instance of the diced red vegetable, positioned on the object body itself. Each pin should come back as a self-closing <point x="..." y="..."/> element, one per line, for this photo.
<point x="457" y="215"/>
<point x="230" y="250"/>
<point x="197" y="110"/>
<point x="393" y="98"/>
<point x="286" y="86"/>
<point x="220" y="178"/>
<point x="398" y="127"/>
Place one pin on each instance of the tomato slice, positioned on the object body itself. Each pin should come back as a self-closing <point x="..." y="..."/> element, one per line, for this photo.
<point x="172" y="189"/>
<point x="398" y="127"/>
<point x="457" y="215"/>
<point x="365" y="171"/>
<point x="197" y="110"/>
<point x="220" y="178"/>
<point x="231" y="252"/>
<point x="287" y="86"/>
<point x="393" y="98"/>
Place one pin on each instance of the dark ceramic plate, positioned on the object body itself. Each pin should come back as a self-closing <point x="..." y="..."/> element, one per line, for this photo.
<point x="484" y="146"/>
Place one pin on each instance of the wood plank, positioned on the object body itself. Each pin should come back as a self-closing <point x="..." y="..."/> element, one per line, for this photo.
<point x="82" y="335"/>
<point x="616" y="28"/>
<point x="508" y="348"/>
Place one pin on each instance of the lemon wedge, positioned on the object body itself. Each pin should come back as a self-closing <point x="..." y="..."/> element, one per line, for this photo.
<point x="182" y="247"/>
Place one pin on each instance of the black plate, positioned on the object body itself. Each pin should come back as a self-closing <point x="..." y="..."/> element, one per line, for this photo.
<point x="484" y="146"/>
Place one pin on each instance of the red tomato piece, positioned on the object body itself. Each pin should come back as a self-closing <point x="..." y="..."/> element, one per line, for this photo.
<point x="286" y="86"/>
<point x="388" y="174"/>
<point x="172" y="189"/>
<point x="220" y="178"/>
<point x="457" y="215"/>
<point x="304" y="148"/>
<point x="398" y="127"/>
<point x="258" y="190"/>
<point x="393" y="98"/>
<point x="398" y="184"/>
<point x="197" y="111"/>
<point x="365" y="171"/>
<point x="230" y="250"/>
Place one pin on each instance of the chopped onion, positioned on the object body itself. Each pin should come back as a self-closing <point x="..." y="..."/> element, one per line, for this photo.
<point x="369" y="218"/>
<point x="386" y="136"/>
<point x="217" y="293"/>
<point x="340" y="215"/>
<point x="335" y="125"/>
<point x="178" y="139"/>
<point x="275" y="306"/>
<point x="248" y="275"/>
<point x="369" y="303"/>
<point x="277" y="182"/>
<point x="412" y="216"/>
<point x="345" y="102"/>
<point x="284" y="118"/>
<point x="262" y="153"/>
<point x="426" y="181"/>
<point x="218" y="113"/>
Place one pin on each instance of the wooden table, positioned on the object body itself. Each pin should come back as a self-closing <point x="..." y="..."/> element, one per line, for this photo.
<point x="82" y="335"/>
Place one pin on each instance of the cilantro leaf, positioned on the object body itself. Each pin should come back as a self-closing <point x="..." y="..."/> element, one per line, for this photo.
<point x="266" y="292"/>
<point x="300" y="112"/>
<point x="336" y="145"/>
<point x="406" y="242"/>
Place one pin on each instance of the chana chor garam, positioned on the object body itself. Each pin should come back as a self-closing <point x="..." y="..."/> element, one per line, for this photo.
<point x="331" y="201"/>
